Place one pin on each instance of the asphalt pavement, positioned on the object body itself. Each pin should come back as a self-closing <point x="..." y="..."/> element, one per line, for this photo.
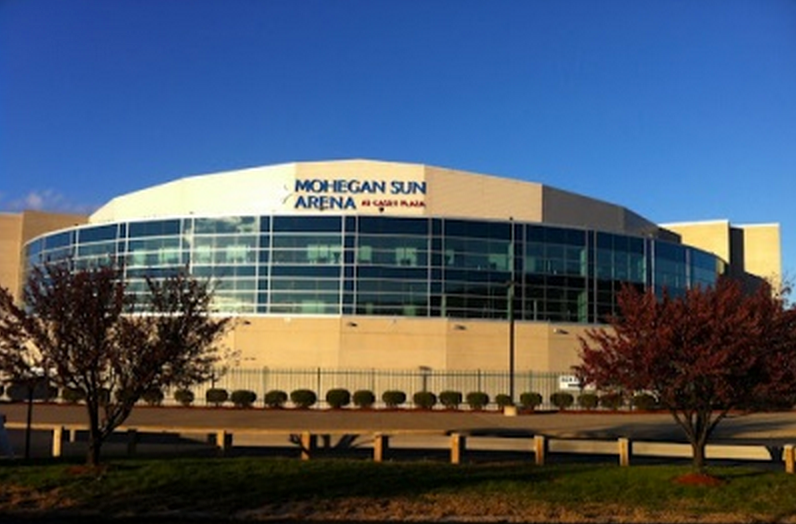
<point x="757" y="428"/>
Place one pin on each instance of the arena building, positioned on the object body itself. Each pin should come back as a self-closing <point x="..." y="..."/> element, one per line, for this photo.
<point x="376" y="265"/>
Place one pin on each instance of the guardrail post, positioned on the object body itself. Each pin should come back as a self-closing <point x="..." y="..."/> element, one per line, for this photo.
<point x="307" y="445"/>
<point x="381" y="443"/>
<point x="458" y="445"/>
<point x="540" y="447"/>
<point x="790" y="459"/>
<point x="223" y="441"/>
<point x="132" y="441"/>
<point x="625" y="450"/>
<point x="58" y="436"/>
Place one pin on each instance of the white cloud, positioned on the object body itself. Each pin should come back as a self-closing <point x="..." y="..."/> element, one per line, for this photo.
<point x="46" y="200"/>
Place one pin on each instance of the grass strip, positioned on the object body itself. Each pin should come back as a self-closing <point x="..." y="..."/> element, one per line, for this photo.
<point x="259" y="488"/>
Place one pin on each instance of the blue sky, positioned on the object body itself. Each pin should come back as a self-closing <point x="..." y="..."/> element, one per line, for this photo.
<point x="680" y="110"/>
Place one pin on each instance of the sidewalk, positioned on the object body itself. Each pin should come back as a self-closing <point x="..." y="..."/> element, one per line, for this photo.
<point x="760" y="428"/>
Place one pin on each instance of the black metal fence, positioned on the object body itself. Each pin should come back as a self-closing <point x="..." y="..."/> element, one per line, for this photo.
<point x="321" y="380"/>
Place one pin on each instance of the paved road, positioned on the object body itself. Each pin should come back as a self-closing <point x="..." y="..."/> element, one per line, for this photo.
<point x="760" y="428"/>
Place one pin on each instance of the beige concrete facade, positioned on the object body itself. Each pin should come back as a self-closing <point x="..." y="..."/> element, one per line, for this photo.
<point x="753" y="252"/>
<point x="18" y="228"/>
<point x="409" y="190"/>
<point x="363" y="342"/>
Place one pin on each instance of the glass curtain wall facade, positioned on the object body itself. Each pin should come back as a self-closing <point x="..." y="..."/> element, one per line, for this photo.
<point x="415" y="267"/>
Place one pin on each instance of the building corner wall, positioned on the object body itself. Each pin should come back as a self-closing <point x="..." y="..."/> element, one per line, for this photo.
<point x="11" y="249"/>
<point x="758" y="252"/>
<point x="16" y="229"/>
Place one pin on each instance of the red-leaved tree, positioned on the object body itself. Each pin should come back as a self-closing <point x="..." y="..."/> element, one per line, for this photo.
<point x="82" y="330"/>
<point x="702" y="354"/>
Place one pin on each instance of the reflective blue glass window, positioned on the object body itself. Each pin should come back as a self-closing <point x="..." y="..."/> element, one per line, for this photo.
<point x="393" y="226"/>
<point x="225" y="225"/>
<point x="59" y="240"/>
<point x="473" y="229"/>
<point x="97" y="234"/>
<point x="154" y="228"/>
<point x="307" y="224"/>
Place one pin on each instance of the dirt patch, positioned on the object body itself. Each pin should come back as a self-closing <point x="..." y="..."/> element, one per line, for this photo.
<point x="699" y="479"/>
<point x="19" y="499"/>
<point x="455" y="509"/>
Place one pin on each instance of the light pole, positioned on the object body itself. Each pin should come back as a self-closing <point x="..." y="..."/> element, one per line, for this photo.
<point x="510" y="291"/>
<point x="510" y="311"/>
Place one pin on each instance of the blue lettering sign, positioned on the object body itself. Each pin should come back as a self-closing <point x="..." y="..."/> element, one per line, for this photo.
<point x="399" y="187"/>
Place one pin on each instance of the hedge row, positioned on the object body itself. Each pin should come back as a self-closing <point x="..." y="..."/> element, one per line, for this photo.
<point x="340" y="398"/>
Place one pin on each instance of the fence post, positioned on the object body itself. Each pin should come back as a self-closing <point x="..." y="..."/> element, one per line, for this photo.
<point x="540" y="447"/>
<point x="318" y="388"/>
<point x="223" y="441"/>
<point x="625" y="450"/>
<point x="132" y="441"/>
<point x="381" y="443"/>
<point x="307" y="445"/>
<point x="790" y="459"/>
<point x="58" y="436"/>
<point x="458" y="444"/>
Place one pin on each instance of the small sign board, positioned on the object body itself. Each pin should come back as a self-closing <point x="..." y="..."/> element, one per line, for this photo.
<point x="570" y="383"/>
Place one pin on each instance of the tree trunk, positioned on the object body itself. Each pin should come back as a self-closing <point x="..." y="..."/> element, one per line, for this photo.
<point x="94" y="447"/>
<point x="29" y="422"/>
<point x="698" y="463"/>
<point x="698" y="428"/>
<point x="94" y="435"/>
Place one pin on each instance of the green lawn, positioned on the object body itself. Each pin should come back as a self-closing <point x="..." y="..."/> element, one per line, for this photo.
<point x="267" y="487"/>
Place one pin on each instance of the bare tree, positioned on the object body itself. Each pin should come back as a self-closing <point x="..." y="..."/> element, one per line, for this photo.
<point x="87" y="332"/>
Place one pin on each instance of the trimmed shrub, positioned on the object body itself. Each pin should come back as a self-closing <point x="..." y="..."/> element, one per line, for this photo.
<point x="153" y="397"/>
<point x="562" y="400"/>
<point x="612" y="401"/>
<point x="645" y="402"/>
<point x="451" y="399"/>
<point x="123" y="395"/>
<point x="393" y="398"/>
<point x="338" y="398"/>
<point x="104" y="396"/>
<point x="588" y="400"/>
<point x="216" y="396"/>
<point x="477" y="400"/>
<point x="364" y="398"/>
<point x="530" y="400"/>
<point x="73" y="396"/>
<point x="243" y="398"/>
<point x="424" y="399"/>
<point x="502" y="400"/>
<point x="184" y="396"/>
<point x="18" y="392"/>
<point x="275" y="398"/>
<point x="303" y="398"/>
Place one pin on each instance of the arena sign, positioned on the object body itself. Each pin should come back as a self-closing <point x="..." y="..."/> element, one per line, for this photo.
<point x="348" y="194"/>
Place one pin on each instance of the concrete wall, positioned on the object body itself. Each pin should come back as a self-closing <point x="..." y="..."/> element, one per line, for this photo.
<point x="10" y="242"/>
<point x="18" y="228"/>
<point x="362" y="342"/>
<point x="449" y="193"/>
<point x="762" y="255"/>
<point x="712" y="236"/>
<point x="753" y="251"/>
